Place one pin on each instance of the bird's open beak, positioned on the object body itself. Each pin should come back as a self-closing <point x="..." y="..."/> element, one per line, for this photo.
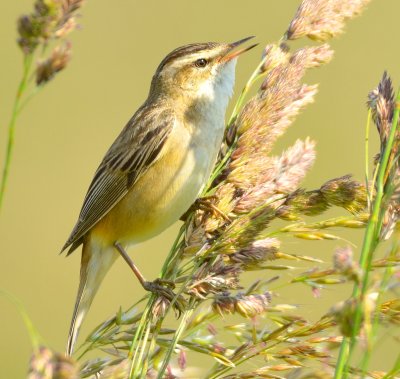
<point x="229" y="55"/>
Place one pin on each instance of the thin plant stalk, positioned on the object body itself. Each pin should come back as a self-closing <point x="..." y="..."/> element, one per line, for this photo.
<point x="371" y="239"/>
<point x="216" y="373"/>
<point x="145" y="322"/>
<point x="50" y="20"/>
<point x="135" y="348"/>
<point x="236" y="109"/>
<point x="254" y="76"/>
<point x="395" y="370"/>
<point x="382" y="289"/>
<point x="182" y="325"/>
<point x="142" y="355"/>
<point x="179" y="331"/>
<point x="32" y="331"/>
<point x="367" y="130"/>
<point x="11" y="126"/>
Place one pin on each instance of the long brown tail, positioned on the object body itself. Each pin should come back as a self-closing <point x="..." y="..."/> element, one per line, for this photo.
<point x="96" y="261"/>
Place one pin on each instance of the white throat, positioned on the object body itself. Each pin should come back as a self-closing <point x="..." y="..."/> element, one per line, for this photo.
<point x="214" y="94"/>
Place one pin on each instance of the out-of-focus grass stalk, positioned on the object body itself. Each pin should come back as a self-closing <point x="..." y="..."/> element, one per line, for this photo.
<point x="13" y="121"/>
<point x="51" y="20"/>
<point x="32" y="331"/>
<point x="371" y="239"/>
<point x="395" y="370"/>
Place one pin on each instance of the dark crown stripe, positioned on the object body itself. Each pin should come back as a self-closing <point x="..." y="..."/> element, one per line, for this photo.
<point x="186" y="50"/>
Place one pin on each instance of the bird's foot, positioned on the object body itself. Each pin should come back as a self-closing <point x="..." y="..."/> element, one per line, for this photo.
<point x="159" y="286"/>
<point x="207" y="204"/>
<point x="163" y="289"/>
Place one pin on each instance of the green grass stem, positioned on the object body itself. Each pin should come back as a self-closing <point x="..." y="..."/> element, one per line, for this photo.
<point x="11" y="126"/>
<point x="371" y="239"/>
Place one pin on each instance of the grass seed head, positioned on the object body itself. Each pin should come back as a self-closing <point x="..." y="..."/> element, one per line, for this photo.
<point x="381" y="103"/>
<point x="321" y="20"/>
<point x="245" y="305"/>
<point x="213" y="278"/>
<point x="314" y="56"/>
<point x="51" y="19"/>
<point x="58" y="60"/>
<point x="346" y="193"/>
<point x="253" y="256"/>
<point x="48" y="364"/>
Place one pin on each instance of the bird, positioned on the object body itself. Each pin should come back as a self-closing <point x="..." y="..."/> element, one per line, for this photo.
<point x="157" y="166"/>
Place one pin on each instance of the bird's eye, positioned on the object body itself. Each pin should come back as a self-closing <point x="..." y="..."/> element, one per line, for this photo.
<point x="201" y="63"/>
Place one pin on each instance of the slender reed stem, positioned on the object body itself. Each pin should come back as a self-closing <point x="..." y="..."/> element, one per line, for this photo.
<point x="11" y="126"/>
<point x="382" y="290"/>
<point x="181" y="328"/>
<point x="238" y="105"/>
<point x="395" y="370"/>
<point x="139" y="342"/>
<point x="245" y="91"/>
<point x="367" y="130"/>
<point x="33" y="333"/>
<point x="371" y="239"/>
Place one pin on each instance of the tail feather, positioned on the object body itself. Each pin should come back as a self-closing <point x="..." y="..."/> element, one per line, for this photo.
<point x="96" y="261"/>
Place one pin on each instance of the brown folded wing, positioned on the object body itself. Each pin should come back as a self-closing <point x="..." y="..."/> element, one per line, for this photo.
<point x="137" y="147"/>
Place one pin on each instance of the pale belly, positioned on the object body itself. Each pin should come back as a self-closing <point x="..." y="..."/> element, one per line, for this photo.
<point x="165" y="192"/>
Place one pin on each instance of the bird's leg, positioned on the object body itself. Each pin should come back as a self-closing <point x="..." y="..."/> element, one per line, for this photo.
<point x="158" y="286"/>
<point x="205" y="203"/>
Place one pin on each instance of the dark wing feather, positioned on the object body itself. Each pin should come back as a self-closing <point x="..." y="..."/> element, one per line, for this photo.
<point x="132" y="153"/>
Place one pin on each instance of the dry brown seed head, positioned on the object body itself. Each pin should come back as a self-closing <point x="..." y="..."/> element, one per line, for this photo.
<point x="50" y="19"/>
<point x="213" y="278"/>
<point x="343" y="262"/>
<point x="224" y="304"/>
<point x="273" y="55"/>
<point x="314" y="56"/>
<point x="117" y="371"/>
<point x="252" y="305"/>
<point x="45" y="363"/>
<point x="182" y="359"/>
<point x="300" y="202"/>
<point x="323" y="19"/>
<point x="160" y="307"/>
<point x="57" y="61"/>
<point x="253" y="256"/>
<point x="381" y="103"/>
<point x="346" y="193"/>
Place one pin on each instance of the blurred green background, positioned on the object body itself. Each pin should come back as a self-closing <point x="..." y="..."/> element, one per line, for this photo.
<point x="64" y="132"/>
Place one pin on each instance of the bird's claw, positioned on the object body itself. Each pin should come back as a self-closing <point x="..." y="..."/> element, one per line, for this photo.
<point x="206" y="204"/>
<point x="163" y="289"/>
<point x="160" y="287"/>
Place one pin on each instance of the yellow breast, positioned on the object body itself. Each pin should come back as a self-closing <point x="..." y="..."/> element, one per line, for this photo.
<point x="167" y="189"/>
